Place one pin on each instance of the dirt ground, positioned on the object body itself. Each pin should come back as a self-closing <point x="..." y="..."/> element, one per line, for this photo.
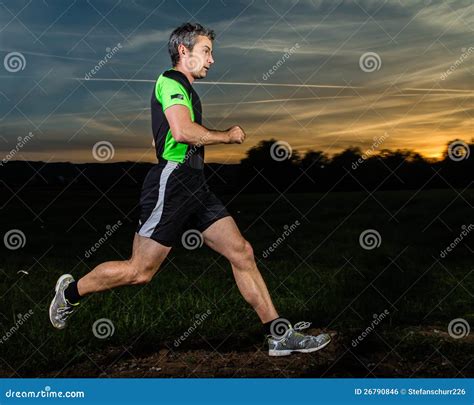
<point x="338" y="359"/>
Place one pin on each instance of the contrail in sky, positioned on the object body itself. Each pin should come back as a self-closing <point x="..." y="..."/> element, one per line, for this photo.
<point x="227" y="83"/>
<point x="435" y="91"/>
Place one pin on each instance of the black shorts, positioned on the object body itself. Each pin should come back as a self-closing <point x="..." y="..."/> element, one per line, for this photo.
<point x="174" y="199"/>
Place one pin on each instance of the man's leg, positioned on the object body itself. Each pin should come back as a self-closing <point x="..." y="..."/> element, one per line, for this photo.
<point x="224" y="237"/>
<point x="147" y="257"/>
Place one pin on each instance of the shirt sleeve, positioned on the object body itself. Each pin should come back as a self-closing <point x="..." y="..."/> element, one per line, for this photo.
<point x="169" y="92"/>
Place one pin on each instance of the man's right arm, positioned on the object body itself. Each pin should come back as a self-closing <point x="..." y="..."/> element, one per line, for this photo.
<point x="184" y="130"/>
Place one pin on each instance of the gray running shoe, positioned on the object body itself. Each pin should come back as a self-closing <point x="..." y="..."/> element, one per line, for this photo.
<point x="293" y="341"/>
<point x="60" y="309"/>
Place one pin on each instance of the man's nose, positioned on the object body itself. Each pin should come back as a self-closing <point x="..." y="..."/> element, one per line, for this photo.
<point x="211" y="60"/>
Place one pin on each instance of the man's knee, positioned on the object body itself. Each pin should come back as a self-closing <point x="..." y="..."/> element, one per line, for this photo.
<point x="248" y="250"/>
<point x="242" y="252"/>
<point x="142" y="273"/>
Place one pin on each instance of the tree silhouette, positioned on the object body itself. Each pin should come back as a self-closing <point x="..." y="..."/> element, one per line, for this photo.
<point x="268" y="154"/>
<point x="272" y="165"/>
<point x="314" y="160"/>
<point x="457" y="150"/>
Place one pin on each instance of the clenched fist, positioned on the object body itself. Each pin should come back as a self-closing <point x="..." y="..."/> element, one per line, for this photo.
<point x="236" y="134"/>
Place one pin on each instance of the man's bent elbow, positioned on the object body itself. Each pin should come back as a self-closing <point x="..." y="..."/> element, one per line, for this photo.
<point x="182" y="134"/>
<point x="179" y="135"/>
<point x="179" y="138"/>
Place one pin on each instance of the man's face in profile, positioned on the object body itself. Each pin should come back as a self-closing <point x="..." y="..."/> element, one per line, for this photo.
<point x="199" y="60"/>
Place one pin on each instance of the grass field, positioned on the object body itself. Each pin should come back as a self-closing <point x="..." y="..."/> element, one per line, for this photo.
<point x="319" y="273"/>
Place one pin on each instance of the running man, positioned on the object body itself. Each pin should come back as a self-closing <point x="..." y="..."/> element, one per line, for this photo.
<point x="175" y="197"/>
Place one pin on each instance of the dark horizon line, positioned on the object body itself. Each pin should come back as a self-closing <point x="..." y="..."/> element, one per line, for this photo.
<point x="367" y="152"/>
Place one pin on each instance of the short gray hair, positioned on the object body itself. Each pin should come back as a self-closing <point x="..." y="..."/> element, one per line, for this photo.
<point x="186" y="34"/>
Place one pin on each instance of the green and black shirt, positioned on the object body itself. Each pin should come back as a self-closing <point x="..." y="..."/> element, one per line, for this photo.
<point x="171" y="88"/>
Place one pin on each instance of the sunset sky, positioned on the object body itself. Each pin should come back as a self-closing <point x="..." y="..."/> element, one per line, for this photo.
<point x="420" y="92"/>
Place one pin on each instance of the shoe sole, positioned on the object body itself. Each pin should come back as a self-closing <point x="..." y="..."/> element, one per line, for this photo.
<point x="280" y="353"/>
<point x="60" y="280"/>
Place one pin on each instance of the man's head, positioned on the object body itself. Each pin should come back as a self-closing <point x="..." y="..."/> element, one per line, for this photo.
<point x="190" y="48"/>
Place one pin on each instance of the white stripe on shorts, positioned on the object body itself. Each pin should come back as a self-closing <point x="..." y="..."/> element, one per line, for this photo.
<point x="155" y="216"/>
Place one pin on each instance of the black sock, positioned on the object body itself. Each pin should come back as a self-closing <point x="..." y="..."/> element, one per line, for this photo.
<point x="72" y="294"/>
<point x="277" y="327"/>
